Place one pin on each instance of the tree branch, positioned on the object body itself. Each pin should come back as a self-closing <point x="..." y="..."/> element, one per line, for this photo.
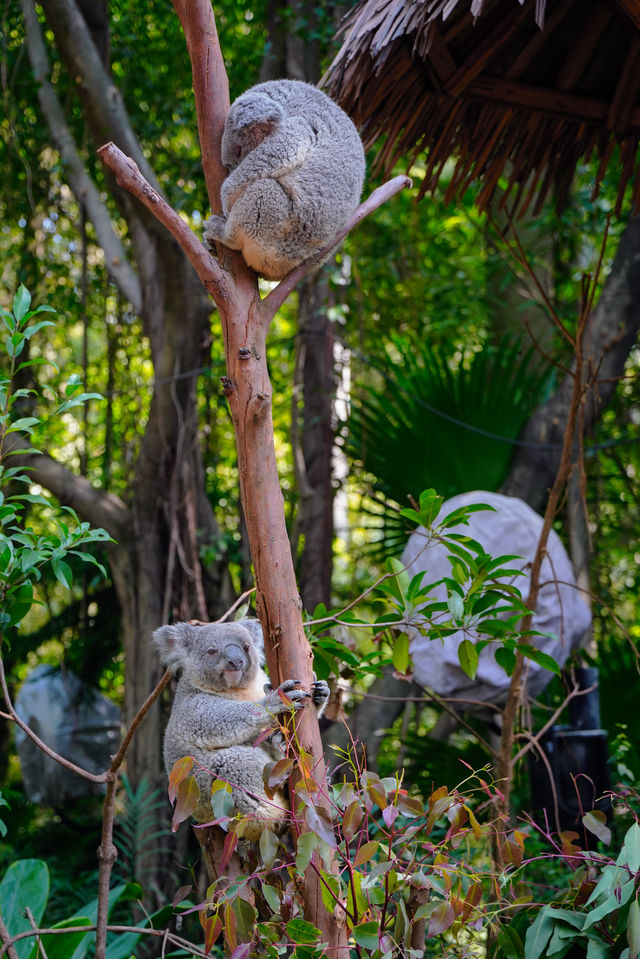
<point x="610" y="332"/>
<point x="272" y="303"/>
<point x="206" y="266"/>
<point x="51" y="753"/>
<point x="129" y="176"/>
<point x="102" y="100"/>
<point x="84" y="189"/>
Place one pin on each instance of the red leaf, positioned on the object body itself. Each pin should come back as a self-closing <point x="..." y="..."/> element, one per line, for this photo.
<point x="188" y="797"/>
<point x="441" y="918"/>
<point x="228" y="850"/>
<point x="351" y="820"/>
<point x="180" y="771"/>
<point x="212" y="929"/>
<point x="181" y="894"/>
<point x="390" y="814"/>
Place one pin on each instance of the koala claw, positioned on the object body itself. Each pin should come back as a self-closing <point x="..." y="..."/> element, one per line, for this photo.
<point x="320" y="692"/>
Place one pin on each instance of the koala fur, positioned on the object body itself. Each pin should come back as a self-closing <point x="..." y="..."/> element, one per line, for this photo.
<point x="220" y="709"/>
<point x="296" y="167"/>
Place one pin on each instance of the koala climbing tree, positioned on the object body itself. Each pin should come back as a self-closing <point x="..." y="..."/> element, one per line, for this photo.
<point x="220" y="711"/>
<point x="245" y="318"/>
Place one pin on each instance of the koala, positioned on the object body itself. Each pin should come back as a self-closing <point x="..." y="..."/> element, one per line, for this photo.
<point x="296" y="168"/>
<point x="223" y="702"/>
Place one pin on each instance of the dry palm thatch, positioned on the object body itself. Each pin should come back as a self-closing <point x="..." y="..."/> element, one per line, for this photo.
<point x="522" y="90"/>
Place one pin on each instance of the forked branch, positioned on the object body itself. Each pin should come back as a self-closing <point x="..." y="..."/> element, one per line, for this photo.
<point x="206" y="266"/>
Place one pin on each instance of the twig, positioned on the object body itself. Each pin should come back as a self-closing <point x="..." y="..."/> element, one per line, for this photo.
<point x="34" y="926"/>
<point x="118" y="759"/>
<point x="107" y="852"/>
<point x="235" y="605"/>
<point x="505" y="760"/>
<point x="8" y="940"/>
<point x="534" y="740"/>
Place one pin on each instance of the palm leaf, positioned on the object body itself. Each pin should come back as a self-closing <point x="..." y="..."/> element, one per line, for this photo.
<point x="432" y="423"/>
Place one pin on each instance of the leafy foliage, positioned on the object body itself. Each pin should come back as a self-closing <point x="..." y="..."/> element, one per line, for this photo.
<point x="438" y="421"/>
<point x="24" y="552"/>
<point x="477" y="600"/>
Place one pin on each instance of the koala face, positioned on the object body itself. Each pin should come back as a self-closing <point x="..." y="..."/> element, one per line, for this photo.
<point x="216" y="658"/>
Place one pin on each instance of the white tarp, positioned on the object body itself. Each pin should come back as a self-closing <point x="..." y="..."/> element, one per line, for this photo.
<point x="561" y="612"/>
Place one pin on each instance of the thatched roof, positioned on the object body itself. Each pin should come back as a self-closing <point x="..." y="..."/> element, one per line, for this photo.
<point x="522" y="90"/>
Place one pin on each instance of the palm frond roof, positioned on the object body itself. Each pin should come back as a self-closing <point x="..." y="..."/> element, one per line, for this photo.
<point x="521" y="89"/>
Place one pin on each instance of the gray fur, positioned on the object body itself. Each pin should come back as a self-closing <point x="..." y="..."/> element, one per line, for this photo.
<point x="296" y="172"/>
<point x="223" y="702"/>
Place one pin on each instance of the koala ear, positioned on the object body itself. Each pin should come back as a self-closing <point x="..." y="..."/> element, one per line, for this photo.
<point x="255" y="108"/>
<point x="173" y="643"/>
<point x="254" y="629"/>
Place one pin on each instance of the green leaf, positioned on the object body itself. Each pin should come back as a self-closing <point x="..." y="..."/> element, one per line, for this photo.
<point x="302" y="932"/>
<point x="268" y="847"/>
<point x="21" y="303"/>
<point x="631" y="848"/>
<point x="79" y="400"/>
<point x="538" y="935"/>
<point x="400" y="655"/>
<point x="506" y="658"/>
<point x="31" y="330"/>
<point x="510" y="942"/>
<point x="367" y="934"/>
<point x="25" y="884"/>
<point x="272" y="897"/>
<point x="62" y="572"/>
<point x="610" y="904"/>
<point x="468" y="657"/>
<point x="305" y="847"/>
<point x="542" y="659"/>
<point x="330" y="890"/>
<point x="456" y="606"/>
<point x="597" y="949"/>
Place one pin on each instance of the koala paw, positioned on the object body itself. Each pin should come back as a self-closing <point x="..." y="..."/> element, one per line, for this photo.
<point x="291" y="689"/>
<point x="213" y="229"/>
<point x="320" y="693"/>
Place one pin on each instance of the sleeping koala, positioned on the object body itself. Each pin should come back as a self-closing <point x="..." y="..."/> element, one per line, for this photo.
<point x="220" y="709"/>
<point x="296" y="167"/>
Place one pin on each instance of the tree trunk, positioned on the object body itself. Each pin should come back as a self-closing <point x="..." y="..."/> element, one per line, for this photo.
<point x="314" y="357"/>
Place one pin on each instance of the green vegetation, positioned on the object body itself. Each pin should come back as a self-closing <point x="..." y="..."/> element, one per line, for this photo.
<point x="441" y="352"/>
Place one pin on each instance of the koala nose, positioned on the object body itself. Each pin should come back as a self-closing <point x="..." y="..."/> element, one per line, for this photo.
<point x="235" y="657"/>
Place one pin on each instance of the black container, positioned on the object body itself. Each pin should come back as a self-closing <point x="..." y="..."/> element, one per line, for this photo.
<point x="579" y="761"/>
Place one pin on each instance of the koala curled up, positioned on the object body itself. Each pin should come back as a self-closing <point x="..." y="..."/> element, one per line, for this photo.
<point x="223" y="702"/>
<point x="296" y="166"/>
